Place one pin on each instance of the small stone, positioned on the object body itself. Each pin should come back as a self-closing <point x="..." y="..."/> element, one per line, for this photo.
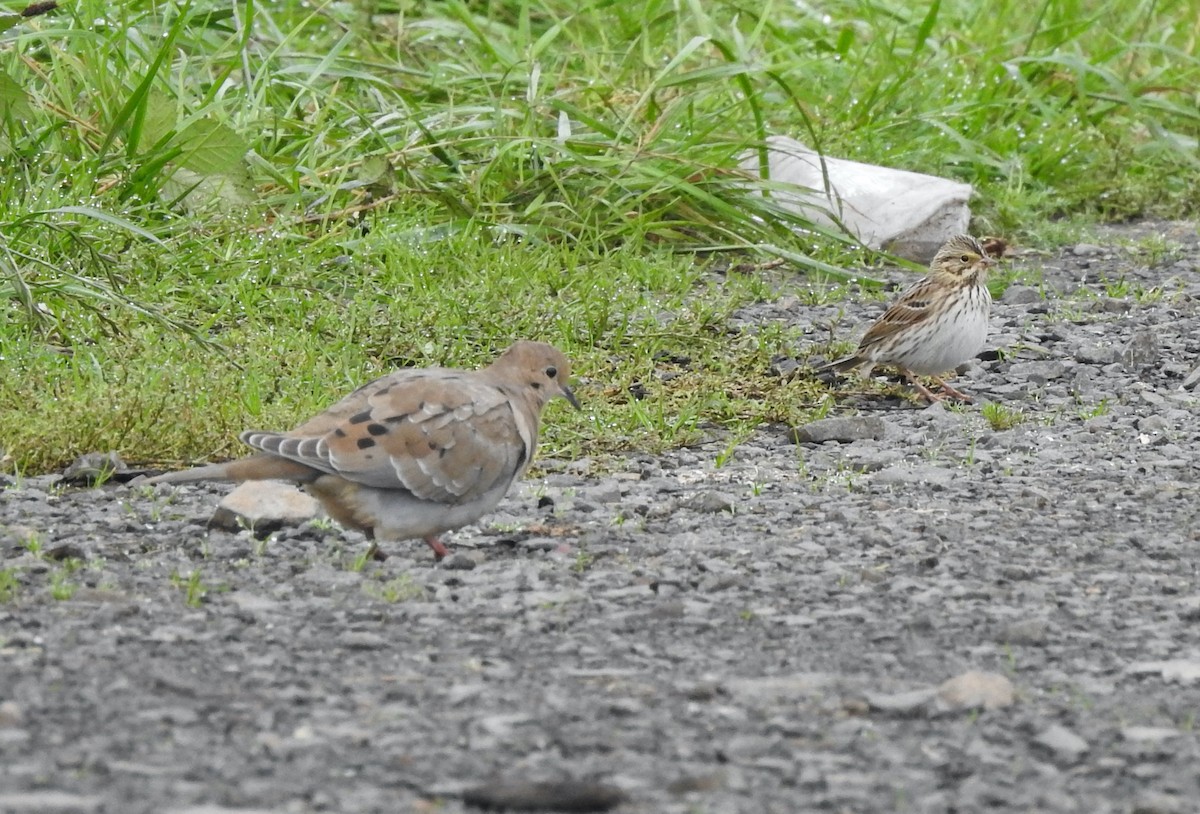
<point x="1192" y="380"/>
<point x="975" y="689"/>
<point x="688" y="784"/>
<point x="1182" y="671"/>
<point x="873" y="460"/>
<point x="1149" y="734"/>
<point x="776" y="689"/>
<point x="703" y="690"/>
<point x="264" y="507"/>
<point x="783" y="366"/>
<point x="1156" y="802"/>
<point x="1025" y="631"/>
<point x="15" y="740"/>
<point x="937" y="476"/>
<point x="605" y="492"/>
<point x="1065" y="744"/>
<point x="561" y="795"/>
<point x="49" y="802"/>
<point x="1110" y="305"/>
<point x="92" y="468"/>
<point x="1087" y="250"/>
<point x="212" y="808"/>
<point x="1038" y="372"/>
<point x="579" y="466"/>
<point x="1142" y="349"/>
<point x="1153" y="424"/>
<point x="1021" y="295"/>
<point x="709" y="502"/>
<point x="65" y="551"/>
<point x="363" y="640"/>
<point x="1097" y="355"/>
<point x="461" y="561"/>
<point x="10" y="714"/>
<point x="913" y="702"/>
<point x="719" y="582"/>
<point x="845" y="430"/>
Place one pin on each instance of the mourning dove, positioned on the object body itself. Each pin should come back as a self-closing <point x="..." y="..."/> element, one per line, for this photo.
<point x="417" y="452"/>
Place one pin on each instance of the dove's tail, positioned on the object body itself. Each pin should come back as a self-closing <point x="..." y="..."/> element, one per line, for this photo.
<point x="253" y="467"/>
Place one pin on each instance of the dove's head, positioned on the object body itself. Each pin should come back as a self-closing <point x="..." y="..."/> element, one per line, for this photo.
<point x="538" y="368"/>
<point x="962" y="261"/>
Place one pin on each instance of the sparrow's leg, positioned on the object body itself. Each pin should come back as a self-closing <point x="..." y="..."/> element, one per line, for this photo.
<point x="950" y="391"/>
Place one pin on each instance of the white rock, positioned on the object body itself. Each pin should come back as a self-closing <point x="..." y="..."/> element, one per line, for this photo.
<point x="1064" y="743"/>
<point x="264" y="506"/>
<point x="1149" y="734"/>
<point x="49" y="802"/>
<point x="1183" y="671"/>
<point x="975" y="689"/>
<point x="907" y="213"/>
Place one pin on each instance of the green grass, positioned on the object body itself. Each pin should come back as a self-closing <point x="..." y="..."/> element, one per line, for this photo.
<point x="193" y="586"/>
<point x="398" y="589"/>
<point x="10" y="585"/>
<point x="999" y="417"/>
<point x="215" y="217"/>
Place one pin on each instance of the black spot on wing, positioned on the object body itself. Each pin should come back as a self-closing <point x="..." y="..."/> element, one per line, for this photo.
<point x="339" y="432"/>
<point x="396" y="419"/>
<point x="377" y="429"/>
<point x="365" y="415"/>
<point x="366" y="443"/>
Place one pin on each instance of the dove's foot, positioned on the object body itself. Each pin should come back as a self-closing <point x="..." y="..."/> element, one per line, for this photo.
<point x="439" y="550"/>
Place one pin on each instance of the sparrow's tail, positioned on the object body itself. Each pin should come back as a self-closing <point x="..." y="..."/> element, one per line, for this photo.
<point x="844" y="365"/>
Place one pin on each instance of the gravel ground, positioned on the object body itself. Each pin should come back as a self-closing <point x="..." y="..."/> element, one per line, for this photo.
<point x="921" y="613"/>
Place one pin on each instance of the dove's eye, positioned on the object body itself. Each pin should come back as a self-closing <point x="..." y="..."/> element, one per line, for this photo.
<point x="551" y="372"/>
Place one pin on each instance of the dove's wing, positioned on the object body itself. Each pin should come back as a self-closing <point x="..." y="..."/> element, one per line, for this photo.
<point x="443" y="435"/>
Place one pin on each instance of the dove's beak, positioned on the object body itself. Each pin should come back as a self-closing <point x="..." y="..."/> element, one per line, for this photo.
<point x="570" y="396"/>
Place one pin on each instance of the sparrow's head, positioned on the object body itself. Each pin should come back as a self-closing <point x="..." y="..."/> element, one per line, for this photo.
<point x="540" y="367"/>
<point x="962" y="259"/>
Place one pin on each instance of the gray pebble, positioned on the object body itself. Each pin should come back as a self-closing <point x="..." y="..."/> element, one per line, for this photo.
<point x="1063" y="743"/>
<point x="709" y="502"/>
<point x="49" y="802"/>
<point x="1141" y="350"/>
<point x="901" y="475"/>
<point x="844" y="430"/>
<point x="1038" y="372"/>
<point x="1097" y="354"/>
<point x="462" y="561"/>
<point x="1021" y="295"/>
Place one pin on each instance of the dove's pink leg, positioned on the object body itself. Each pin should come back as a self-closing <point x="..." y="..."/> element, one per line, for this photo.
<point x="439" y="550"/>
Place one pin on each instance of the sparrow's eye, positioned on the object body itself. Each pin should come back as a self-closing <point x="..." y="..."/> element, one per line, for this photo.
<point x="551" y="372"/>
<point x="966" y="258"/>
